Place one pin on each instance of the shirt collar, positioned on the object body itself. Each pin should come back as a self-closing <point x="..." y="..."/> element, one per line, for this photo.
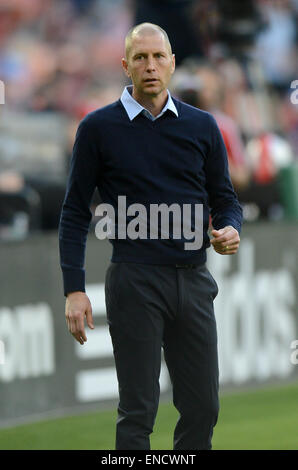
<point x="133" y="108"/>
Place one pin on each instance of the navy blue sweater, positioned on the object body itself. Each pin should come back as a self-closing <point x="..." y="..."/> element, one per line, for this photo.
<point x="173" y="159"/>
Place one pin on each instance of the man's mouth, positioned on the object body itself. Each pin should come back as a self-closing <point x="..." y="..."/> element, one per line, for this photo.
<point x="151" y="80"/>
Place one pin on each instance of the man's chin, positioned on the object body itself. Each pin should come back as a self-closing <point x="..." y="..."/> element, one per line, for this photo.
<point x="151" y="92"/>
<point x="154" y="90"/>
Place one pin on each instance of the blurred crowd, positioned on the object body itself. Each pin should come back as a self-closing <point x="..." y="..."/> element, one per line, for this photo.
<point x="60" y="59"/>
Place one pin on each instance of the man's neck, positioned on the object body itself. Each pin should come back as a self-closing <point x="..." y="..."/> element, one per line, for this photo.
<point x="154" y="104"/>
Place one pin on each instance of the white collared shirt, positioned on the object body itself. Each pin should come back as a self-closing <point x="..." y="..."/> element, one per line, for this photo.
<point x="133" y="108"/>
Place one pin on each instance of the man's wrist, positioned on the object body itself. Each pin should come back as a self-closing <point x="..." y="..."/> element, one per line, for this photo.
<point x="75" y="293"/>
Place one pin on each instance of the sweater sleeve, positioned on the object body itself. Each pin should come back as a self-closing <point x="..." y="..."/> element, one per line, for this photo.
<point x="76" y="215"/>
<point x="223" y="202"/>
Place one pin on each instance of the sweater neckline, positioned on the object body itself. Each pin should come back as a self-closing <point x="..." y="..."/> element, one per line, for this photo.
<point x="168" y="113"/>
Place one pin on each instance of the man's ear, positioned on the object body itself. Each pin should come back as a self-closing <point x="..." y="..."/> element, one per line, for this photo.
<point x="174" y="63"/>
<point x="125" y="67"/>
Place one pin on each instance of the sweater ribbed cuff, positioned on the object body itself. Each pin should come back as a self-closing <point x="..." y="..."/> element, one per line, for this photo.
<point x="73" y="280"/>
<point x="225" y="222"/>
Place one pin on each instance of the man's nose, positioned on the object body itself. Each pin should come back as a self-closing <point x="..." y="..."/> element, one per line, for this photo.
<point x="150" y="65"/>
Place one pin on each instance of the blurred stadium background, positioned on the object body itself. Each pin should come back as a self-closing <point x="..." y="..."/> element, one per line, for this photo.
<point x="58" y="61"/>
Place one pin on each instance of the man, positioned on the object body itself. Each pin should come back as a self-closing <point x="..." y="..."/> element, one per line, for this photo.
<point x="153" y="149"/>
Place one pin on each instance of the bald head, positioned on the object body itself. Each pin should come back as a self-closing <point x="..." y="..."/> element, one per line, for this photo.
<point x="149" y="61"/>
<point x="145" y="29"/>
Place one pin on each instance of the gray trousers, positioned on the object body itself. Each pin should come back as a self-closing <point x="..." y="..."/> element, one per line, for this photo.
<point x="150" y="307"/>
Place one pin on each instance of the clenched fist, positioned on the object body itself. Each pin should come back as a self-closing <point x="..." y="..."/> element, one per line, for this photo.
<point x="226" y="240"/>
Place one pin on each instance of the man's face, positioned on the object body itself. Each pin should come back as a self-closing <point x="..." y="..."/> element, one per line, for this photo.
<point x="150" y="64"/>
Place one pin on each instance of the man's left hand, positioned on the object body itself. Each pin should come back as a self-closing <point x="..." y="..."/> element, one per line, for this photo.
<point x="226" y="240"/>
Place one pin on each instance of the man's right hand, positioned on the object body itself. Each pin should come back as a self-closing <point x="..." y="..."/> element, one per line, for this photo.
<point x="78" y="306"/>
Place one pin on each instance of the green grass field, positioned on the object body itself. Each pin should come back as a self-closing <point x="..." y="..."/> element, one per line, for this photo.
<point x="261" y="419"/>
